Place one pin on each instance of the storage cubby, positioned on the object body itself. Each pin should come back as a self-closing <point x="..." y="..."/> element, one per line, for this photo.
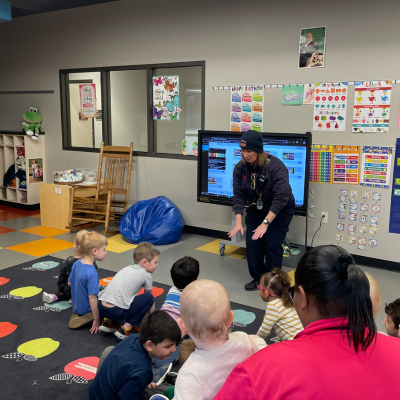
<point x="10" y="143"/>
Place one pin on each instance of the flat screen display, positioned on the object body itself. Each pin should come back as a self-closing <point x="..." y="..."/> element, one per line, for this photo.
<point x="219" y="152"/>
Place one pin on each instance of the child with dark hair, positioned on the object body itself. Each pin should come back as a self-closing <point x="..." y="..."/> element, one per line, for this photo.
<point x="338" y="355"/>
<point x="127" y="370"/>
<point x="274" y="290"/>
<point x="184" y="271"/>
<point x="392" y="320"/>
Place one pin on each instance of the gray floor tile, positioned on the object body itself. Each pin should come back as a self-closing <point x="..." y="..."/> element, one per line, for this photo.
<point x="10" y="258"/>
<point x="17" y="237"/>
<point x="21" y="223"/>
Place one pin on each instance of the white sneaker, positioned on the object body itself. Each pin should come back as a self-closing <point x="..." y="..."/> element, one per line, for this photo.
<point x="70" y="301"/>
<point x="48" y="298"/>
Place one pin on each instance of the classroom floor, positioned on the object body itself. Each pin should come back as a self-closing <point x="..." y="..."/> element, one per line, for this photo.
<point x="23" y="239"/>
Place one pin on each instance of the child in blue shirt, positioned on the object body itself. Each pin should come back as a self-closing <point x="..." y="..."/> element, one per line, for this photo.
<point x="127" y="370"/>
<point x="84" y="282"/>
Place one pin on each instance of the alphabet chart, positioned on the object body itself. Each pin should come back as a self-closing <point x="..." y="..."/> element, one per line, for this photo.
<point x="372" y="106"/>
<point x="330" y="106"/>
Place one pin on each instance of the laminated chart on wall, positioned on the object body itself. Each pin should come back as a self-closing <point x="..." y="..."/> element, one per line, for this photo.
<point x="346" y="164"/>
<point x="247" y="103"/>
<point x="166" y="98"/>
<point x="394" y="221"/>
<point x="292" y="95"/>
<point x="372" y="106"/>
<point x="376" y="165"/>
<point x="321" y="163"/>
<point x="330" y="106"/>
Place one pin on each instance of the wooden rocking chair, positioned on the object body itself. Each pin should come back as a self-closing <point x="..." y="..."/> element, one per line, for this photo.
<point x="110" y="182"/>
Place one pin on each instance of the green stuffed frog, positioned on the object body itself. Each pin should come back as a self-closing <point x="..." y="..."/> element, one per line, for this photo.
<point x="31" y="124"/>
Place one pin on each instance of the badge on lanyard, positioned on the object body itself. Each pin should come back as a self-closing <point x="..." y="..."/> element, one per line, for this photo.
<point x="259" y="203"/>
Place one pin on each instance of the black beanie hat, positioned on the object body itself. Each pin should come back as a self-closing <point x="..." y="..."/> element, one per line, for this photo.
<point x="252" y="140"/>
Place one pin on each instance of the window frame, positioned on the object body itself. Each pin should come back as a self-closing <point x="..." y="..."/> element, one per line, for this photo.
<point x="105" y="73"/>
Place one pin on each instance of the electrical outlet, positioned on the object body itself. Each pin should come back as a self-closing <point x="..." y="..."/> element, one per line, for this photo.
<point x="324" y="217"/>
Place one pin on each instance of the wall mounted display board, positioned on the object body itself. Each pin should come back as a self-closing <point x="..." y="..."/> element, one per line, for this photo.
<point x="346" y="164"/>
<point x="375" y="166"/>
<point x="321" y="163"/>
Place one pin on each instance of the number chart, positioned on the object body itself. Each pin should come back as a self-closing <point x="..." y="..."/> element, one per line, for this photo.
<point x="321" y="163"/>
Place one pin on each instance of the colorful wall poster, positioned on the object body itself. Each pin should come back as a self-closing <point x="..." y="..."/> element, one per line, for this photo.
<point x="87" y="95"/>
<point x="330" y="107"/>
<point x="166" y="98"/>
<point x="309" y="93"/>
<point x="312" y="47"/>
<point x="376" y="165"/>
<point x="247" y="104"/>
<point x="292" y="95"/>
<point x="35" y="167"/>
<point x="372" y="106"/>
<point x="346" y="164"/>
<point x="394" y="220"/>
<point x="321" y="163"/>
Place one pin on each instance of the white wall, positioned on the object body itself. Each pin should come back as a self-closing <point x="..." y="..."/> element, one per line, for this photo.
<point x="242" y="43"/>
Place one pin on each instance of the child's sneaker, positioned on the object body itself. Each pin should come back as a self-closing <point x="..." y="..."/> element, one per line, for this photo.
<point x="70" y="301"/>
<point x="123" y="333"/>
<point x="108" y="326"/>
<point x="159" y="374"/>
<point x="49" y="298"/>
<point x="158" y="397"/>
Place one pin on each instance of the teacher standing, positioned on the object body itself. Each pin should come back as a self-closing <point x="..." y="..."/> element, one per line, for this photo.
<point x="269" y="213"/>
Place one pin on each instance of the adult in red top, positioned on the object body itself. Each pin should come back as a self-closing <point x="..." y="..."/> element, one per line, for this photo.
<point x="339" y="355"/>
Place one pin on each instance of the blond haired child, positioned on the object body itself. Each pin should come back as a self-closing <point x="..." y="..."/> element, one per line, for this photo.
<point x="206" y="316"/>
<point x="274" y="290"/>
<point x="119" y="301"/>
<point x="84" y="282"/>
<point x="64" y="290"/>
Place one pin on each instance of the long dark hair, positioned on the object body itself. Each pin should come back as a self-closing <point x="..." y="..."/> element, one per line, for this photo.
<point x="341" y="289"/>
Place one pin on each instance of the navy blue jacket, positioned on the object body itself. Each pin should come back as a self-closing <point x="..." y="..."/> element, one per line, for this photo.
<point x="124" y="374"/>
<point x="276" y="195"/>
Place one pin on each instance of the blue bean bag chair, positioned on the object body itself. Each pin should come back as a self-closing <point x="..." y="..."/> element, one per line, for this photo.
<point x="157" y="221"/>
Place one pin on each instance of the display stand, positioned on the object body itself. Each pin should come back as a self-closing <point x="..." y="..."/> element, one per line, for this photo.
<point x="238" y="240"/>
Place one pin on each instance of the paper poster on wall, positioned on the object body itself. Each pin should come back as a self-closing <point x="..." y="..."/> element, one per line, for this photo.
<point x="309" y="93"/>
<point x="247" y="104"/>
<point x="394" y="220"/>
<point x="87" y="95"/>
<point x="312" y="47"/>
<point x="292" y="95"/>
<point x="376" y="166"/>
<point x="321" y="163"/>
<point x="166" y="98"/>
<point x="346" y="164"/>
<point x="372" y="106"/>
<point x="35" y="166"/>
<point x="330" y="107"/>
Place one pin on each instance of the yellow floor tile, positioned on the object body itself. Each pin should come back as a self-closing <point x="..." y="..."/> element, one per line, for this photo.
<point x="230" y="251"/>
<point x="44" y="231"/>
<point x="291" y="276"/>
<point x="42" y="247"/>
<point x="36" y="216"/>
<point x="117" y="244"/>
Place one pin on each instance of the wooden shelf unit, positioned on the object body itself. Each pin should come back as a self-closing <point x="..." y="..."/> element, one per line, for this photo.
<point x="9" y="141"/>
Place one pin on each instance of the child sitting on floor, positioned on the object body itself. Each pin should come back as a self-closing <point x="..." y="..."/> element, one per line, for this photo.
<point x="84" y="282"/>
<point x="273" y="289"/>
<point x="392" y="320"/>
<point x="206" y="316"/>
<point x="127" y="370"/>
<point x="183" y="272"/>
<point x="119" y="301"/>
<point x="64" y="290"/>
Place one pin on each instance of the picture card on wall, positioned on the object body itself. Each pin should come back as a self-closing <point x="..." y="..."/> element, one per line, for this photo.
<point x="309" y="93"/>
<point x="292" y="95"/>
<point x="312" y="47"/>
<point x="372" y="106"/>
<point x="330" y="106"/>
<point x="166" y="98"/>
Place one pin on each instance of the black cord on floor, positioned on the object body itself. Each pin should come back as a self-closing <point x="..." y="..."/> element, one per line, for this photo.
<point x="320" y="224"/>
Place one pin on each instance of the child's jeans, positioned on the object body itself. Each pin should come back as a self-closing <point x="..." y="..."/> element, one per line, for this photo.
<point x="133" y="315"/>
